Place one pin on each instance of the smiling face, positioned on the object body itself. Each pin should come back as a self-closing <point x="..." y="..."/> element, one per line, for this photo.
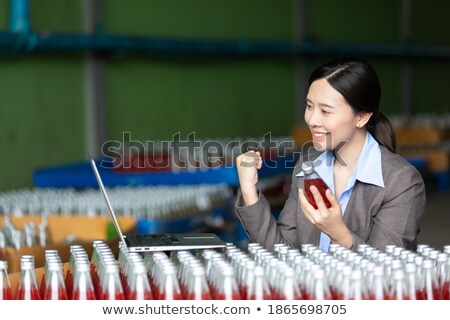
<point x="329" y="117"/>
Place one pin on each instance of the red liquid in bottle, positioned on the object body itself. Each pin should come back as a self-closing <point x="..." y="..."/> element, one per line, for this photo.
<point x="88" y="295"/>
<point x="402" y="297"/>
<point x="61" y="294"/>
<point x="42" y="288"/>
<point x="234" y="296"/>
<point x="6" y="294"/>
<point x="339" y="296"/>
<point x="296" y="297"/>
<point x="333" y="292"/>
<point x="32" y="294"/>
<point x="173" y="296"/>
<point x="446" y="290"/>
<point x="202" y="296"/>
<point x="145" y="296"/>
<point x="69" y="282"/>
<point x="321" y="186"/>
<point x="117" y="296"/>
<point x="243" y="292"/>
<point x="433" y="294"/>
<point x="264" y="297"/>
<point x="420" y="295"/>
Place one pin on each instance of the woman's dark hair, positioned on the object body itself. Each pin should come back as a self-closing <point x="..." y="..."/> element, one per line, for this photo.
<point x="358" y="83"/>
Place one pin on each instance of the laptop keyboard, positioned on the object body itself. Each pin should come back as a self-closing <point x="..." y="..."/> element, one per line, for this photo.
<point x="152" y="239"/>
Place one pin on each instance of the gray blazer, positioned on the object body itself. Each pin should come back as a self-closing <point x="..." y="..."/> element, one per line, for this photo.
<point x="376" y="216"/>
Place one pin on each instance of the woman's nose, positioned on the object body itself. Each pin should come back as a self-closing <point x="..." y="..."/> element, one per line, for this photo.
<point x="312" y="118"/>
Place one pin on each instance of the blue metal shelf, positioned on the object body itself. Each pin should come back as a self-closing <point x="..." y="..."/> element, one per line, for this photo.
<point x="80" y="175"/>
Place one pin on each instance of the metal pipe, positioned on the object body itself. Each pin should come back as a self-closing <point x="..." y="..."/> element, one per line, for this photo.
<point x="19" y="16"/>
<point x="60" y="43"/>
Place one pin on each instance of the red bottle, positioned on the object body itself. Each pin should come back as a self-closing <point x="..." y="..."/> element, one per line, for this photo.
<point x="258" y="289"/>
<point x="83" y="288"/>
<point x="378" y="288"/>
<point x="55" y="289"/>
<point x="399" y="290"/>
<point x="358" y="290"/>
<point x="111" y="287"/>
<point x="411" y="282"/>
<point x="313" y="179"/>
<point x="139" y="288"/>
<point x="5" y="285"/>
<point x="27" y="288"/>
<point x="343" y="284"/>
<point x="197" y="288"/>
<point x="429" y="285"/>
<point x="289" y="288"/>
<point x="167" y="285"/>
<point x="320" y="289"/>
<point x="445" y="287"/>
<point x="49" y="255"/>
<point x="227" y="288"/>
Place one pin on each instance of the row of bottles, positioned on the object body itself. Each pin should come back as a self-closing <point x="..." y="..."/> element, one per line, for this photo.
<point x="29" y="235"/>
<point x="233" y="274"/>
<point x="149" y="202"/>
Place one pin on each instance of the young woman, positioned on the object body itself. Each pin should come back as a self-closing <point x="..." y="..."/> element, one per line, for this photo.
<point x="376" y="196"/>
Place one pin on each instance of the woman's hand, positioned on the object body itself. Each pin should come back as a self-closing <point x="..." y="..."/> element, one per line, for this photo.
<point x="247" y="167"/>
<point x="327" y="220"/>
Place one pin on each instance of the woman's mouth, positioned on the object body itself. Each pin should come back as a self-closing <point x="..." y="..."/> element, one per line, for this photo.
<point x="317" y="135"/>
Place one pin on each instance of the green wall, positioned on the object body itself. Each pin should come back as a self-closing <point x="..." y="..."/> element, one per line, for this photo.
<point x="42" y="114"/>
<point x="42" y="102"/>
<point x="355" y="21"/>
<point x="156" y="99"/>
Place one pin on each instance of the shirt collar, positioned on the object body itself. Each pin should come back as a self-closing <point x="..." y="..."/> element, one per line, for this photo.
<point x="370" y="173"/>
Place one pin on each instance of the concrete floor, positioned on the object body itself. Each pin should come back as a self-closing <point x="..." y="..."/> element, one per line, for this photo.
<point x="435" y="226"/>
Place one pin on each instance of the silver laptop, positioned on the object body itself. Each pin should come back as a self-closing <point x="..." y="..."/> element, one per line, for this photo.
<point x="160" y="242"/>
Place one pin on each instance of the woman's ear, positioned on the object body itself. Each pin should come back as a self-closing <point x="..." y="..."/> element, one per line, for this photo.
<point x="363" y="118"/>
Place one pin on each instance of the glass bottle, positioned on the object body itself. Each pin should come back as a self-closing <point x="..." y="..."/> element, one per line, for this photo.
<point x="111" y="286"/>
<point x="378" y="289"/>
<point x="358" y="290"/>
<point x="445" y="287"/>
<point x="343" y="285"/>
<point x="227" y="288"/>
<point x="5" y="285"/>
<point x="259" y="288"/>
<point x="411" y="282"/>
<point x="50" y="255"/>
<point x="320" y="289"/>
<point x="27" y="288"/>
<point x="139" y="288"/>
<point x="289" y="288"/>
<point x="168" y="287"/>
<point x="83" y="288"/>
<point x="248" y="273"/>
<point x="197" y="288"/>
<point x="440" y="267"/>
<point x="398" y="290"/>
<point x="429" y="285"/>
<point x="311" y="178"/>
<point x="55" y="288"/>
<point x="335" y="277"/>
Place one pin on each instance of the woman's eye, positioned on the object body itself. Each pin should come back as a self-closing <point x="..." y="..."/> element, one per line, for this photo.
<point x="325" y="112"/>
<point x="308" y="107"/>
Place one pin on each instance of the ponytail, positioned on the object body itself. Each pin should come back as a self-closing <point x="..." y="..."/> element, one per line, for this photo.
<point x="381" y="129"/>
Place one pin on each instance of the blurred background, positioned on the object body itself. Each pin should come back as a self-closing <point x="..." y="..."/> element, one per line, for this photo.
<point x="76" y="74"/>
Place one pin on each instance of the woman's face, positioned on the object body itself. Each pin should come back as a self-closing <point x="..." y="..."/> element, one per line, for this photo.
<point x="329" y="117"/>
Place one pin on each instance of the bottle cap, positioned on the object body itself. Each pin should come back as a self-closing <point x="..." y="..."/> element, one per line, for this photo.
<point x="307" y="167"/>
